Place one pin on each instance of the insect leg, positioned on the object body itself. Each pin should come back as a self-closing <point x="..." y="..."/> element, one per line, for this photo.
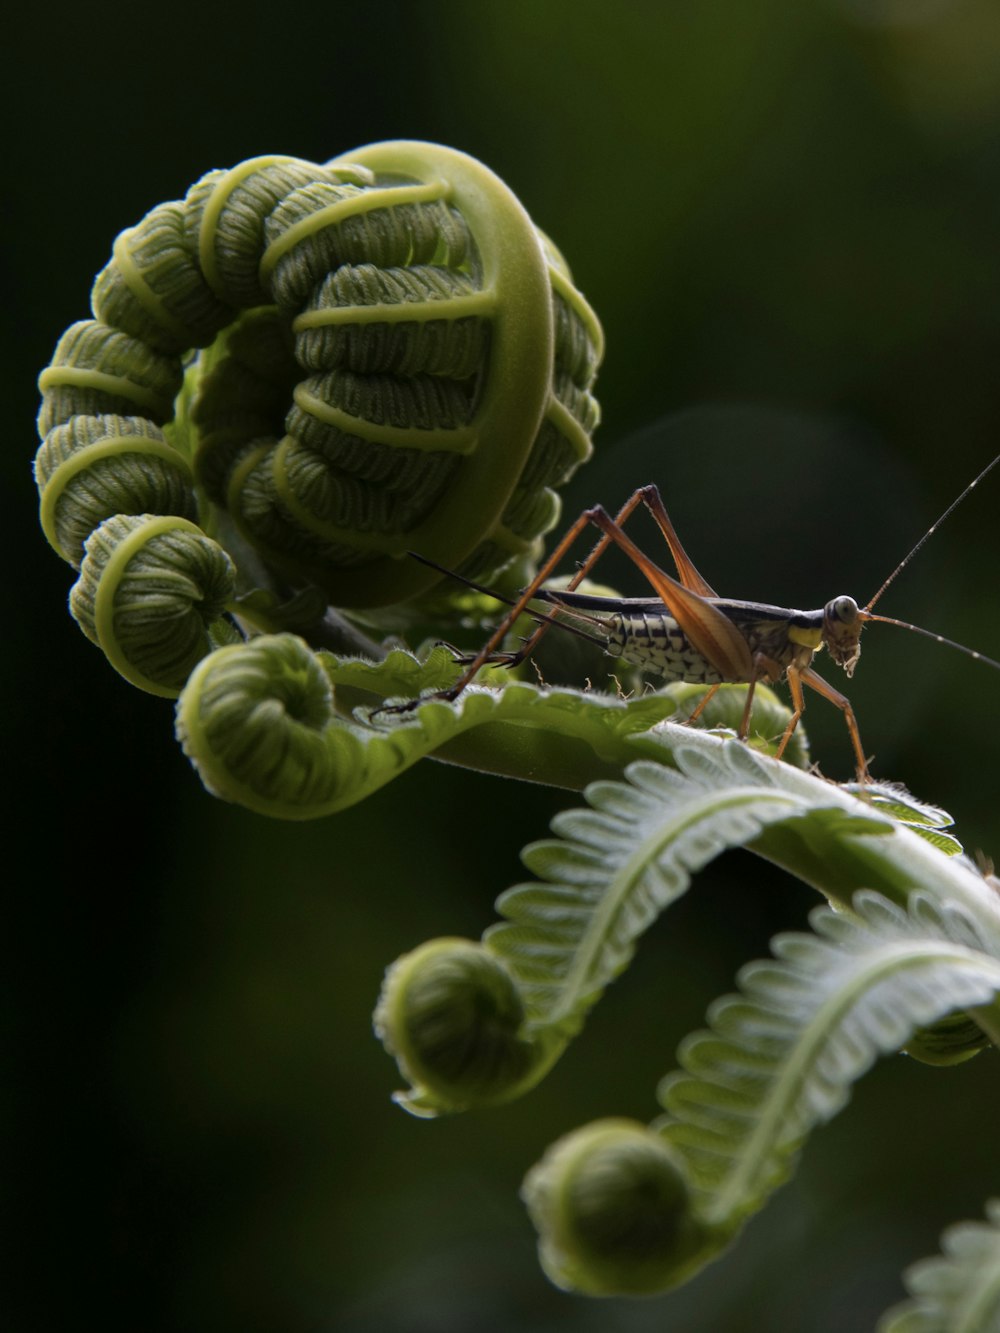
<point x="748" y="705"/>
<point x="686" y="572"/>
<point x="796" y="679"/>
<point x="486" y="653"/>
<point x="700" y="707"/>
<point x="766" y="668"/>
<point x="711" y="633"/>
<point x="798" y="708"/>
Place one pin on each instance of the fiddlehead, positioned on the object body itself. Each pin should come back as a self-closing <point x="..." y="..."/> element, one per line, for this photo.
<point x="453" y="1018"/>
<point x="394" y="359"/>
<point x="96" y="369"/>
<point x="151" y="593"/>
<point x="612" y="1206"/>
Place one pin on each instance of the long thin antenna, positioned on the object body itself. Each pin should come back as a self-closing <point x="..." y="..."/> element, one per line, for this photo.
<point x="929" y="634"/>
<point x="509" y="601"/>
<point x="927" y="535"/>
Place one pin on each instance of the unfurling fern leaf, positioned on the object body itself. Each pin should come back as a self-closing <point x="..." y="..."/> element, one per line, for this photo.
<point x="255" y="719"/>
<point x="779" y="1058"/>
<point x="619" y="863"/>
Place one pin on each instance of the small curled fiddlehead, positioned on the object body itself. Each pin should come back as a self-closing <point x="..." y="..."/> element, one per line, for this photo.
<point x="393" y="359"/>
<point x="613" y="1211"/>
<point x="151" y="593"/>
<point x="153" y="289"/>
<point x="94" y="467"/>
<point x="255" y="719"/>
<point x="452" y="1016"/>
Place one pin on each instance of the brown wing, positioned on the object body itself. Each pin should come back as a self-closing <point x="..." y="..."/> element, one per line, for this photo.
<point x="711" y="633"/>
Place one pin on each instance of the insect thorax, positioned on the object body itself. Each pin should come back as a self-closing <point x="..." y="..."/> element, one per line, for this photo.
<point x="657" y="643"/>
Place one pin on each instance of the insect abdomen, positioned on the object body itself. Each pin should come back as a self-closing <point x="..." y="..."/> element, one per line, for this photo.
<point x="658" y="644"/>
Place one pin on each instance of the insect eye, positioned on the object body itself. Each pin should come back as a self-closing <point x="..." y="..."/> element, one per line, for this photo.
<point x="843" y="608"/>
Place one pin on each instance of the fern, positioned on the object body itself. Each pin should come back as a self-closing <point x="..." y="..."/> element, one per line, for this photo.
<point x="958" y="1292"/>
<point x="619" y="863"/>
<point x="908" y="955"/>
<point x="781" y="1056"/>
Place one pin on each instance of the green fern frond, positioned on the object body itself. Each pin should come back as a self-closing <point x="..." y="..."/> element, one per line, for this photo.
<point x="959" y="1291"/>
<point x="781" y="1056"/>
<point x="617" y="865"/>
<point x="267" y="725"/>
<point x="620" y="862"/>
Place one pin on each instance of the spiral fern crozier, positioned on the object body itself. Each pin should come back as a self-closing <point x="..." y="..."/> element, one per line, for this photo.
<point x="332" y="365"/>
<point x="613" y="1209"/>
<point x="453" y="1017"/>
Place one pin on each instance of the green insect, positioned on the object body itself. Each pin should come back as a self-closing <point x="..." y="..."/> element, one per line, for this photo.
<point x="687" y="632"/>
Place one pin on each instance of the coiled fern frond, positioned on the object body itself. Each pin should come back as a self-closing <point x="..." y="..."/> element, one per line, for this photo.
<point x="325" y="367"/>
<point x="913" y="963"/>
<point x="779" y="1058"/>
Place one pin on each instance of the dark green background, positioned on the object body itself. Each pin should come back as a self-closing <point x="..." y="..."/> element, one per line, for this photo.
<point x="787" y="217"/>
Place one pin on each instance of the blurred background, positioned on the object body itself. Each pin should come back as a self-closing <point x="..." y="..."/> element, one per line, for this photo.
<point x="787" y="217"/>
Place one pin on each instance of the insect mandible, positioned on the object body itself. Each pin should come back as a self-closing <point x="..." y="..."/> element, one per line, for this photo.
<point x="687" y="632"/>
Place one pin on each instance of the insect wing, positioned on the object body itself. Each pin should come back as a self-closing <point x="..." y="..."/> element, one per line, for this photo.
<point x="710" y="632"/>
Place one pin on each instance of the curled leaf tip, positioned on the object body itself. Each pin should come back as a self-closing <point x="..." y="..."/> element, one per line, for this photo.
<point x="257" y="721"/>
<point x="613" y="1211"/>
<point x="451" y="1016"/>
<point x="151" y="593"/>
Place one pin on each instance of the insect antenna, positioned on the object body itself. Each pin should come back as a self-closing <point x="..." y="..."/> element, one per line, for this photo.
<point x="927" y="535"/>
<point x="929" y="634"/>
<point x="509" y="601"/>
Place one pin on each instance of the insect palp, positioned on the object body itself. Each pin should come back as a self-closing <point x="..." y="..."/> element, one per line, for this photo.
<point x="842" y="626"/>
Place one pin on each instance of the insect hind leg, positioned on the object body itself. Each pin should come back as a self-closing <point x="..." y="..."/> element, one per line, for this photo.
<point x="597" y="517"/>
